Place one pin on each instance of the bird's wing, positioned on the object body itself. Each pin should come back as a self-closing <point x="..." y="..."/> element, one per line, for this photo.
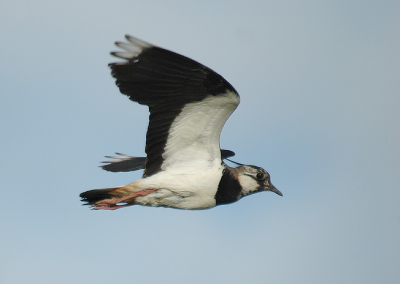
<point x="188" y="102"/>
<point x="126" y="163"/>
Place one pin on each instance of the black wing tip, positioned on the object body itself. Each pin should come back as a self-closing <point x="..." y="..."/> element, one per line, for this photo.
<point x="130" y="49"/>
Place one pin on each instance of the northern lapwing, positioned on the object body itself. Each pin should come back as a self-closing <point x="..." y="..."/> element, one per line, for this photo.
<point x="189" y="104"/>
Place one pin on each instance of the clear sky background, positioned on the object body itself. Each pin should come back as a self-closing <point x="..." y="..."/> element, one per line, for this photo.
<point x="320" y="110"/>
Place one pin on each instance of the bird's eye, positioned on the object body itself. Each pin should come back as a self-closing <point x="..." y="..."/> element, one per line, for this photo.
<point x="260" y="176"/>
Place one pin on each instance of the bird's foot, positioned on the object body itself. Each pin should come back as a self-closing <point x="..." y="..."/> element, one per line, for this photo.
<point x="111" y="203"/>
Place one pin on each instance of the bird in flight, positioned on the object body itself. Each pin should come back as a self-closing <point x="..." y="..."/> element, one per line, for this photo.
<point x="189" y="105"/>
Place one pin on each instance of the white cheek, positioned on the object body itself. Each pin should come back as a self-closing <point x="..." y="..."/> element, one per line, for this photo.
<point x="248" y="184"/>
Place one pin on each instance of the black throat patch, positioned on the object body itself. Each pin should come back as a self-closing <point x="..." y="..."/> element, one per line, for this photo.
<point x="229" y="187"/>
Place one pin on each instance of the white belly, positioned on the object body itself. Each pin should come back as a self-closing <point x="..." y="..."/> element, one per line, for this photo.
<point x="186" y="189"/>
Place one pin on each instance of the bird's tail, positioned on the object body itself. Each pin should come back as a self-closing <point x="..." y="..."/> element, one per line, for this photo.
<point x="112" y="197"/>
<point x="92" y="196"/>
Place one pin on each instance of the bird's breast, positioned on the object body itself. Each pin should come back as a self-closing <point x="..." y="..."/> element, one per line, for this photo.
<point x="190" y="188"/>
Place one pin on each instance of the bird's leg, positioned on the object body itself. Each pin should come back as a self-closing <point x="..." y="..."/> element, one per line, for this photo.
<point x="109" y="207"/>
<point x="111" y="203"/>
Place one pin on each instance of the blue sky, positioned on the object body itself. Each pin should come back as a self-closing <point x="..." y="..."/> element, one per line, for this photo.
<point x="320" y="98"/>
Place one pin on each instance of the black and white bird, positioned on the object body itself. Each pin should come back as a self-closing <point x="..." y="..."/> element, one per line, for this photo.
<point x="189" y="104"/>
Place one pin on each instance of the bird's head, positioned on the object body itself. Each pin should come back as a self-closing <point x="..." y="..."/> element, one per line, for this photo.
<point x="255" y="179"/>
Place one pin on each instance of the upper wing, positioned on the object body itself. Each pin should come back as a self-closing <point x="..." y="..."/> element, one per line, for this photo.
<point x="126" y="163"/>
<point x="188" y="102"/>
